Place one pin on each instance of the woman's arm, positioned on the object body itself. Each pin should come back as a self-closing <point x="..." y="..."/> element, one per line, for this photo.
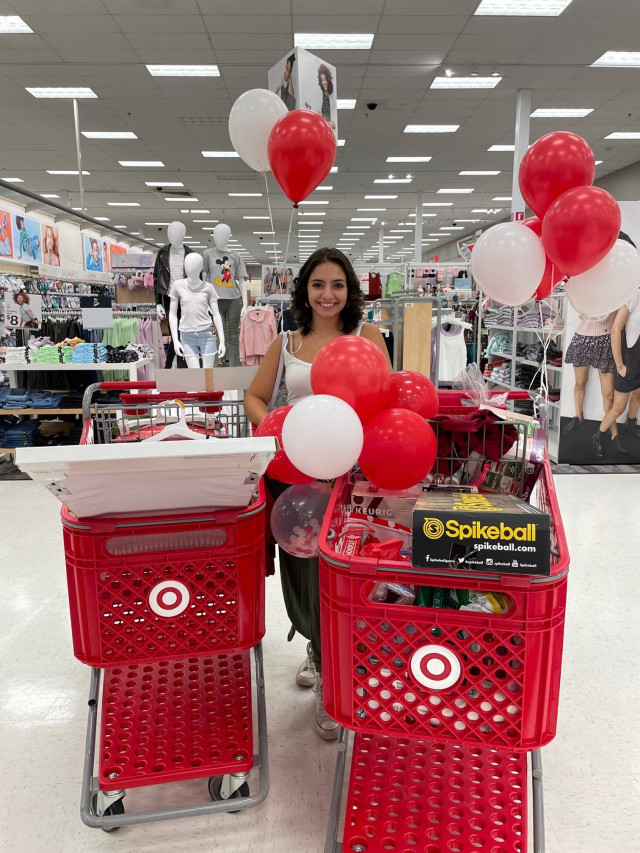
<point x="373" y="333"/>
<point x="258" y="395"/>
<point x="616" y="338"/>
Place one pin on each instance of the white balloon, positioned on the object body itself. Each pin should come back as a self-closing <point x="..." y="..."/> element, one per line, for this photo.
<point x="251" y="120"/>
<point x="508" y="263"/>
<point x="607" y="286"/>
<point x="322" y="436"/>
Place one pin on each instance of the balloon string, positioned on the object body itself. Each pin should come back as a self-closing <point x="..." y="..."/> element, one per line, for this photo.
<point x="275" y="249"/>
<point x="286" y="258"/>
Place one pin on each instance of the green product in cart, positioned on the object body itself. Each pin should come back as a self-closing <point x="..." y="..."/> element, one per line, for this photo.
<point x="424" y="596"/>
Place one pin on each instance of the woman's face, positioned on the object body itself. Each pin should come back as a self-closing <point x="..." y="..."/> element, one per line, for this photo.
<point x="95" y="251"/>
<point x="48" y="241"/>
<point x="324" y="83"/>
<point x="287" y="70"/>
<point x="20" y="299"/>
<point x="327" y="289"/>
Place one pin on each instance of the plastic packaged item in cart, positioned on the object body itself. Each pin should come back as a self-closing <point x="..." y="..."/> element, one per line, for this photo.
<point x="477" y="390"/>
<point x="393" y="593"/>
<point x="371" y="501"/>
<point x="487" y="602"/>
<point x="389" y="550"/>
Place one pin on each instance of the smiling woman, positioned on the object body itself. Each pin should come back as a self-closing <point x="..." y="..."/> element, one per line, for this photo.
<point x="327" y="304"/>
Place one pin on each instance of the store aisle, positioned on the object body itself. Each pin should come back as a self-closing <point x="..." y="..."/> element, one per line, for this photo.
<point x="592" y="769"/>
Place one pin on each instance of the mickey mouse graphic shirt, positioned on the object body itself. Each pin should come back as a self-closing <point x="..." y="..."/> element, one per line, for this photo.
<point x="223" y="269"/>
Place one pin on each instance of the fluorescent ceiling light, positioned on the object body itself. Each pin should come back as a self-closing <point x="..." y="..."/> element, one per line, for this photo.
<point x="314" y="202"/>
<point x="452" y="228"/>
<point x="492" y="210"/>
<point x="156" y="223"/>
<point x="119" y="226"/>
<point x="102" y="218"/>
<point x="324" y="187"/>
<point x="408" y="159"/>
<point x="364" y="219"/>
<point x="502" y="148"/>
<point x="61" y="92"/>
<point x="51" y="195"/>
<point x="312" y="222"/>
<point x="618" y="59"/>
<point x="65" y="172"/>
<point x="624" y="134"/>
<point x="431" y="128"/>
<point x="142" y="164"/>
<point x="164" y="184"/>
<point x="264" y="232"/>
<point x="479" y="172"/>
<point x="333" y="41"/>
<point x="134" y="233"/>
<point x="465" y="82"/>
<point x="468" y="220"/>
<point x="401" y="231"/>
<point x="437" y="204"/>
<point x="392" y="180"/>
<point x="244" y="195"/>
<point x="341" y="142"/>
<point x="346" y="103"/>
<point x="439" y="236"/>
<point x="502" y="197"/>
<point x="179" y="198"/>
<point x="255" y="217"/>
<point x="381" y="196"/>
<point x="531" y="8"/>
<point x="109" y="134"/>
<point x="123" y="204"/>
<point x="16" y="180"/>
<point x="597" y="164"/>
<point x="183" y="70"/>
<point x="356" y="234"/>
<point x="10" y="24"/>
<point x="561" y="113"/>
<point x="220" y="154"/>
<point x="200" y="210"/>
<point x="459" y="191"/>
<point x="372" y="209"/>
<point x="312" y="213"/>
<point x="361" y="225"/>
<point x="334" y="169"/>
<point x="206" y="220"/>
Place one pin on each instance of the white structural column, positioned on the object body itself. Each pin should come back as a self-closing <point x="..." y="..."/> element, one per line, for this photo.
<point x="523" y="114"/>
<point x="417" y="252"/>
<point x="381" y="245"/>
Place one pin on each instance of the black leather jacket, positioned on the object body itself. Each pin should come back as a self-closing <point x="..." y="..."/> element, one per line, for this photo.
<point x="161" y="272"/>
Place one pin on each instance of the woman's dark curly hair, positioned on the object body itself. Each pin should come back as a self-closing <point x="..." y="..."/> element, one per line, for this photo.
<point x="352" y="313"/>
<point x="25" y="297"/>
<point x="324" y="70"/>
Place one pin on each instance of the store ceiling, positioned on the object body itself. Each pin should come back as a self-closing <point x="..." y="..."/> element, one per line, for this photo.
<point x="105" y="44"/>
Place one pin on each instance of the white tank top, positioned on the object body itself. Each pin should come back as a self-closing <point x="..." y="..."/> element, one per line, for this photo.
<point x="297" y="374"/>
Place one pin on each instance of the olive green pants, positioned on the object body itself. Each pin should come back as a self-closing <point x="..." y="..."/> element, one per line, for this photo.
<point x="300" y="579"/>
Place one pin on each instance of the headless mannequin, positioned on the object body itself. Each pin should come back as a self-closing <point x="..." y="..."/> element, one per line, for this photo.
<point x="227" y="272"/>
<point x="180" y="293"/>
<point x="168" y="268"/>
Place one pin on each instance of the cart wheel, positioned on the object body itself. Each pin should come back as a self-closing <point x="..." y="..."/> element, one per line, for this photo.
<point x="215" y="785"/>
<point x="116" y="808"/>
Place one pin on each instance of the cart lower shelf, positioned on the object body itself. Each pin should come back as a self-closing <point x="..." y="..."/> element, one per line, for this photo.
<point x="175" y="720"/>
<point x="412" y="796"/>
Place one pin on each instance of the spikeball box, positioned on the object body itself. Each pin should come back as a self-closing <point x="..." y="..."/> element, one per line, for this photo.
<point x="481" y="532"/>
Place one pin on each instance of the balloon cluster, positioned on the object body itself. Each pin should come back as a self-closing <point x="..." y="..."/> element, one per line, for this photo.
<point x="573" y="235"/>
<point x="298" y="146"/>
<point x="358" y="412"/>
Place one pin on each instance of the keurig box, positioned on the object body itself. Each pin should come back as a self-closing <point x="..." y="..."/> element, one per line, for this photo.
<point x="480" y="532"/>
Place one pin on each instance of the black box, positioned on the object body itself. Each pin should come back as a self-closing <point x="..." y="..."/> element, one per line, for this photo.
<point x="484" y="533"/>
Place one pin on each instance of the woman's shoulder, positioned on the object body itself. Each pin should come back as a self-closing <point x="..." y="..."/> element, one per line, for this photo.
<point x="368" y="330"/>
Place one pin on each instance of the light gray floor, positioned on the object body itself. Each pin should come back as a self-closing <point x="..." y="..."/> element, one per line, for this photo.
<point x="592" y="769"/>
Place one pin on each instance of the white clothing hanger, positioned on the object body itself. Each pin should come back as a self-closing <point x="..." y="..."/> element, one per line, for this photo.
<point x="180" y="428"/>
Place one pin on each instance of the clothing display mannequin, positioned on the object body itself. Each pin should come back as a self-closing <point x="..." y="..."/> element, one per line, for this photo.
<point x="191" y="332"/>
<point x="168" y="268"/>
<point x="226" y="271"/>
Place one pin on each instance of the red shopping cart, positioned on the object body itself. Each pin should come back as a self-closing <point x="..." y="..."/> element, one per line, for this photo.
<point x="165" y="609"/>
<point x="445" y="704"/>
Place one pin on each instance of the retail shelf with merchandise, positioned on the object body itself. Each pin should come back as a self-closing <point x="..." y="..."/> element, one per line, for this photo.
<point x="43" y="413"/>
<point x="498" y="382"/>
<point x="536" y="364"/>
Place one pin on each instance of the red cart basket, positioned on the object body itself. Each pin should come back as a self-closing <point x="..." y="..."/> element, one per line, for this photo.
<point x="491" y="696"/>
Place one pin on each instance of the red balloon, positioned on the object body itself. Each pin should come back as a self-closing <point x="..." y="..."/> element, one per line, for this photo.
<point x="399" y="449"/>
<point x="411" y="390"/>
<point x="355" y="370"/>
<point x="555" y="163"/>
<point x="280" y="468"/>
<point x="551" y="277"/>
<point x="580" y="228"/>
<point x="301" y="149"/>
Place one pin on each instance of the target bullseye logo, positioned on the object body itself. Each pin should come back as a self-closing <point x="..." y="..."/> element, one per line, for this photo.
<point x="435" y="667"/>
<point x="169" y="598"/>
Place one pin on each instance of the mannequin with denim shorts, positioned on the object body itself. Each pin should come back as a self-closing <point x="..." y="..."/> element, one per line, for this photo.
<point x="193" y="337"/>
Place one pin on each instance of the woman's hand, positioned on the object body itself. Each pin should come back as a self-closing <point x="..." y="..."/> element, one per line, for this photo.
<point x="622" y="370"/>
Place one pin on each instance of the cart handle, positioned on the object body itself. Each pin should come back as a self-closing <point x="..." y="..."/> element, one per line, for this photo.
<point x="126" y="386"/>
<point x="455" y="398"/>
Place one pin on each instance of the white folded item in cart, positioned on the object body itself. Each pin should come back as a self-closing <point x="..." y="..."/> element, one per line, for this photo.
<point x="147" y="477"/>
